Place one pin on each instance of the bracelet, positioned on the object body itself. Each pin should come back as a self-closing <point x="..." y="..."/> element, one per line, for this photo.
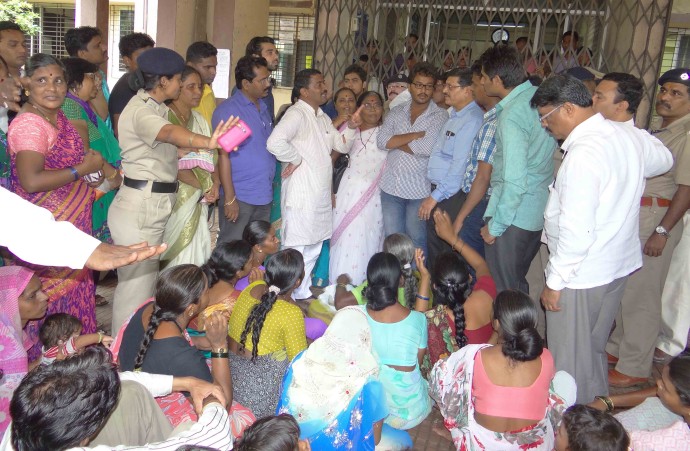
<point x="606" y="400"/>
<point x="423" y="298"/>
<point x="100" y="337"/>
<point x="227" y="204"/>
<point x="74" y="173"/>
<point x="454" y="243"/>
<point x="191" y="138"/>
<point x="111" y="177"/>
<point x="219" y="355"/>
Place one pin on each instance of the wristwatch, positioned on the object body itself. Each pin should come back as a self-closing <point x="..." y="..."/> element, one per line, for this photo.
<point x="220" y="353"/>
<point x="661" y="230"/>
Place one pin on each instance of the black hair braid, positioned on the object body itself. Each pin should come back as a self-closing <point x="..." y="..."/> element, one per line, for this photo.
<point x="157" y="317"/>
<point x="409" y="286"/>
<point x="255" y="321"/>
<point x="457" y="294"/>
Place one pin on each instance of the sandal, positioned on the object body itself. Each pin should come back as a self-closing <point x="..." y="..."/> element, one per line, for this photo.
<point x="101" y="301"/>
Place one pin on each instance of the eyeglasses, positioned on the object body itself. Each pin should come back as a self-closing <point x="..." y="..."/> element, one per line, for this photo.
<point x="372" y="106"/>
<point x="543" y="118"/>
<point x="423" y="86"/>
<point x="449" y="86"/>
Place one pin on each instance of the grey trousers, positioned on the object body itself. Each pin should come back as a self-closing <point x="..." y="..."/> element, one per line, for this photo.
<point x="135" y="421"/>
<point x="510" y="256"/>
<point x="229" y="230"/>
<point x="578" y="333"/>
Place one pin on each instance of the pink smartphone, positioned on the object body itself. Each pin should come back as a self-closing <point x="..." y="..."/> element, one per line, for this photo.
<point x="235" y="136"/>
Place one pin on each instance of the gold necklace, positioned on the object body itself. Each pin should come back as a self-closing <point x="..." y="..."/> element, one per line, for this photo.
<point x="177" y="112"/>
<point x="41" y="113"/>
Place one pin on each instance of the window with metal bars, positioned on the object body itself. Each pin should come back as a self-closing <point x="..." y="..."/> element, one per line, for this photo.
<point x="121" y="23"/>
<point x="677" y="49"/>
<point x="54" y="19"/>
<point x="294" y="36"/>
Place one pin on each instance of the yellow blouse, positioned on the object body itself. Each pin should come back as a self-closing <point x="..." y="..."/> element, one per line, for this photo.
<point x="283" y="328"/>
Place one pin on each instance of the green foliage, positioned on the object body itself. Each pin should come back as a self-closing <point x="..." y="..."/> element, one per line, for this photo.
<point x="20" y="12"/>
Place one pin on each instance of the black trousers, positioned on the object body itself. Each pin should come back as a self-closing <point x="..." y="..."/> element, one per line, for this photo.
<point x="510" y="256"/>
<point x="435" y="245"/>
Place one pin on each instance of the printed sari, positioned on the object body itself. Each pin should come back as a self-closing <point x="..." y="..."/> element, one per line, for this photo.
<point x="69" y="290"/>
<point x="450" y="385"/>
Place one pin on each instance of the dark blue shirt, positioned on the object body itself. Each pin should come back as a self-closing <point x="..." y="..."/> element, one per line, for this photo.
<point x="253" y="167"/>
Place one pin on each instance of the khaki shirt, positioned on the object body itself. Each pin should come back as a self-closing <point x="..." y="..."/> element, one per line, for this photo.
<point x="144" y="158"/>
<point x="675" y="138"/>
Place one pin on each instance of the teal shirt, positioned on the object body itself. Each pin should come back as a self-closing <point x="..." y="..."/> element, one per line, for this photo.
<point x="523" y="165"/>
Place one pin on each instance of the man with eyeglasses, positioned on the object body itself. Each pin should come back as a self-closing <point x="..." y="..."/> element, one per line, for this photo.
<point x="409" y="133"/>
<point x="523" y="169"/>
<point x="591" y="226"/>
<point x="246" y="175"/>
<point x="448" y="159"/>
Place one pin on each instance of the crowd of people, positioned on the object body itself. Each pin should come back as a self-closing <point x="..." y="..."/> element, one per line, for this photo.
<point x="421" y="200"/>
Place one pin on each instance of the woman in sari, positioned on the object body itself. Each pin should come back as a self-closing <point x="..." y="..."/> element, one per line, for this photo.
<point x="266" y="332"/>
<point x="83" y="85"/>
<point x="357" y="216"/>
<point x="21" y="300"/>
<point x="332" y="389"/>
<point x="503" y="397"/>
<point x="48" y="163"/>
<point x="187" y="232"/>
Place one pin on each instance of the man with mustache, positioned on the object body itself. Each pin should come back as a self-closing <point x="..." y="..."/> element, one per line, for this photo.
<point x="666" y="198"/>
<point x="409" y="133"/>
<point x="247" y="174"/>
<point x="265" y="47"/>
<point x="303" y="141"/>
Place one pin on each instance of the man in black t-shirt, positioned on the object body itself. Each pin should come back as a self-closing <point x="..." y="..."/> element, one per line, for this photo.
<point x="131" y="47"/>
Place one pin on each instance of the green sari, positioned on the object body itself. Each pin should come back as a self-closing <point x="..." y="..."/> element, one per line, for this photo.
<point x="102" y="140"/>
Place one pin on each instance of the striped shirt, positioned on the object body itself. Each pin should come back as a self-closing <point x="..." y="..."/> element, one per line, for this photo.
<point x="482" y="150"/>
<point x="405" y="175"/>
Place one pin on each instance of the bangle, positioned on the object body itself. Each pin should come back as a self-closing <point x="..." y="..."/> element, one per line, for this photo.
<point x="454" y="243"/>
<point x="100" y="337"/>
<point x="606" y="400"/>
<point x="227" y="204"/>
<point x="219" y="355"/>
<point x="191" y="138"/>
<point x="111" y="177"/>
<point x="423" y="298"/>
<point x="74" y="172"/>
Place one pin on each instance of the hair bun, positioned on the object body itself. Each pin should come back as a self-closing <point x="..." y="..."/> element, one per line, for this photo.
<point x="527" y="345"/>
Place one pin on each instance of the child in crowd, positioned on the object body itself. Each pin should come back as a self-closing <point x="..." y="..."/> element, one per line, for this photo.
<point x="61" y="337"/>
<point x="276" y="433"/>
<point x="585" y="428"/>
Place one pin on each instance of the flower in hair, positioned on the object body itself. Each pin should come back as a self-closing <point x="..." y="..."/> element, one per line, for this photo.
<point x="273" y="289"/>
<point x="407" y="266"/>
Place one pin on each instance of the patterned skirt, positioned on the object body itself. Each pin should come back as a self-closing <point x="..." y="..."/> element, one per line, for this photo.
<point x="258" y="385"/>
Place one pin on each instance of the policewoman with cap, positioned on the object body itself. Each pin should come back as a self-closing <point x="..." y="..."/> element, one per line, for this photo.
<point x="151" y="146"/>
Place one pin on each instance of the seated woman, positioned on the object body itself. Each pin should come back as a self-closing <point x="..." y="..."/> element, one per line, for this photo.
<point x="399" y="337"/>
<point x="332" y="388"/>
<point x="660" y="414"/>
<point x="402" y="247"/>
<point x="586" y="429"/>
<point x="501" y="397"/>
<point x="155" y="340"/>
<point x="462" y="315"/>
<point x="21" y="300"/>
<point x="266" y="332"/>
<point x="261" y="236"/>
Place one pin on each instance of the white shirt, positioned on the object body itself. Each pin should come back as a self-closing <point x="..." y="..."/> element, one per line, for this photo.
<point x="592" y="215"/>
<point x="306" y="138"/>
<point x="212" y="429"/>
<point x="33" y="235"/>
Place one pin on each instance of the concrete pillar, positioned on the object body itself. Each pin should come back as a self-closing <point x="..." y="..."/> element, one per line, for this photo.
<point x="635" y="36"/>
<point x="171" y="23"/>
<point x="93" y="13"/>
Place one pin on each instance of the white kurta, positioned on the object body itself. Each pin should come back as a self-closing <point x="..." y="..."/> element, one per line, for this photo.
<point x="306" y="139"/>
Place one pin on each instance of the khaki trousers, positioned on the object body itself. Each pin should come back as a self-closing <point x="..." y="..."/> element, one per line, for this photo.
<point x="639" y="318"/>
<point x="136" y="216"/>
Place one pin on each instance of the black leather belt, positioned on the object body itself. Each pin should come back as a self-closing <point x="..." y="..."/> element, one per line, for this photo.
<point x="156" y="187"/>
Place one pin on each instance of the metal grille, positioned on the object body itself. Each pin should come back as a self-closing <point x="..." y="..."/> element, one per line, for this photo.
<point x="294" y="35"/>
<point x="615" y="35"/>
<point x="121" y="19"/>
<point x="677" y="49"/>
<point x="54" y="19"/>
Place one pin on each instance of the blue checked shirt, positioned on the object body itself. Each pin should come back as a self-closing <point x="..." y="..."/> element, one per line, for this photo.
<point x="482" y="150"/>
<point x="405" y="175"/>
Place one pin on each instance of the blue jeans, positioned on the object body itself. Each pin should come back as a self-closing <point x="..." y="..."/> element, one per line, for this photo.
<point x="471" y="227"/>
<point x="400" y="216"/>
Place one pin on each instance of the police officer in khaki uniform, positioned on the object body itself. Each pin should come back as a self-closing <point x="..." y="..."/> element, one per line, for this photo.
<point x="664" y="201"/>
<point x="151" y="146"/>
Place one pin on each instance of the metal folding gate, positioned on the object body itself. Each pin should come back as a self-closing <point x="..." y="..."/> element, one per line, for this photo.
<point x="615" y="35"/>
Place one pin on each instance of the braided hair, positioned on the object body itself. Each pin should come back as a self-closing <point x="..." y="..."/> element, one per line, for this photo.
<point x="283" y="270"/>
<point x="402" y="247"/>
<point x="177" y="288"/>
<point x="383" y="279"/>
<point x="517" y="315"/>
<point x="226" y="260"/>
<point x="451" y="287"/>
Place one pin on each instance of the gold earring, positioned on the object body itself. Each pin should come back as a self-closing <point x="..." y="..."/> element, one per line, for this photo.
<point x="26" y="91"/>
